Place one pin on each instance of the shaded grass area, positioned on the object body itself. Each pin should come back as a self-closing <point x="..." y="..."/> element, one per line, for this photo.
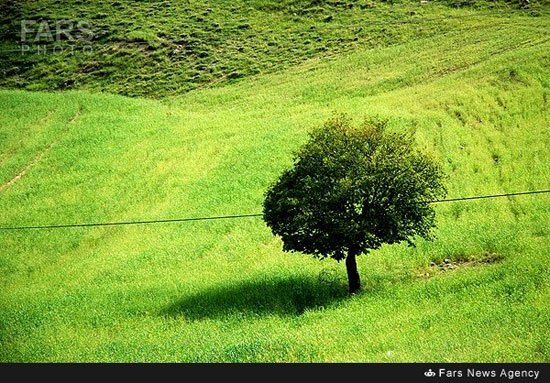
<point x="279" y="296"/>
<point x="169" y="47"/>
<point x="223" y="290"/>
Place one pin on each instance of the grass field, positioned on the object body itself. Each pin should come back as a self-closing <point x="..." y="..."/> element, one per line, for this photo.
<point x="161" y="48"/>
<point x="476" y="91"/>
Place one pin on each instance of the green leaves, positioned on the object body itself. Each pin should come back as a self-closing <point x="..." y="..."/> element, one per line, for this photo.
<point x="354" y="187"/>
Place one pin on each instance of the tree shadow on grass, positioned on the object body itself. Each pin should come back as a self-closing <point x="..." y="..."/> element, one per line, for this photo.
<point x="289" y="296"/>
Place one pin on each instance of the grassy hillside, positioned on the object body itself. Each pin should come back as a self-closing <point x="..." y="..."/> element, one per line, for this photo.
<point x="478" y="96"/>
<point x="169" y="47"/>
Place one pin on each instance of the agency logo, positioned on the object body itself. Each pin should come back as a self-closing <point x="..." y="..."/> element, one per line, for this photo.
<point x="429" y="373"/>
<point x="40" y="36"/>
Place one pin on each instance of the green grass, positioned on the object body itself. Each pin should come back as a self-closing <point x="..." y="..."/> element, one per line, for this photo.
<point x="477" y="96"/>
<point x="172" y="46"/>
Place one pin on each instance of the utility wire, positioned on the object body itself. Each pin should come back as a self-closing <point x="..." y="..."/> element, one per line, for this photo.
<point x="490" y="196"/>
<point x="240" y="215"/>
<point x="130" y="222"/>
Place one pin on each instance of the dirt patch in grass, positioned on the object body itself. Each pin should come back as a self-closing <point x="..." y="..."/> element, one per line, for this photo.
<point x="449" y="264"/>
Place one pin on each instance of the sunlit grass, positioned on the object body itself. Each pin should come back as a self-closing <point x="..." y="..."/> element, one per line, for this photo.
<point x="223" y="290"/>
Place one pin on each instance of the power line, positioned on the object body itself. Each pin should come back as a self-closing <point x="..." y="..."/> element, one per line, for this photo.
<point x="130" y="222"/>
<point x="240" y="215"/>
<point x="490" y="196"/>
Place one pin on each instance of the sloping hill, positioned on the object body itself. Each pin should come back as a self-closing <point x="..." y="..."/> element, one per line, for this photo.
<point x="168" y="47"/>
<point x="478" y="96"/>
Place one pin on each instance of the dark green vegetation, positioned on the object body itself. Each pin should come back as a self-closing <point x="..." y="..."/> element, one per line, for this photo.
<point x="478" y="97"/>
<point x="353" y="189"/>
<point x="159" y="48"/>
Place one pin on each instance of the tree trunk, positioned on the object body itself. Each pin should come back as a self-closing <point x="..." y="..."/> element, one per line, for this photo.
<point x="353" y="276"/>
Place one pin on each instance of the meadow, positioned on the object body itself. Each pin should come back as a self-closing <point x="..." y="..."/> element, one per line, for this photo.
<point x="169" y="47"/>
<point x="475" y="90"/>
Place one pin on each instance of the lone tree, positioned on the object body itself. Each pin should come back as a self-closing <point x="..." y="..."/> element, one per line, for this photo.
<point x="352" y="189"/>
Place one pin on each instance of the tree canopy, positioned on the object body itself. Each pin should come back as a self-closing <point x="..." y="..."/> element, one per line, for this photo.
<point x="352" y="189"/>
